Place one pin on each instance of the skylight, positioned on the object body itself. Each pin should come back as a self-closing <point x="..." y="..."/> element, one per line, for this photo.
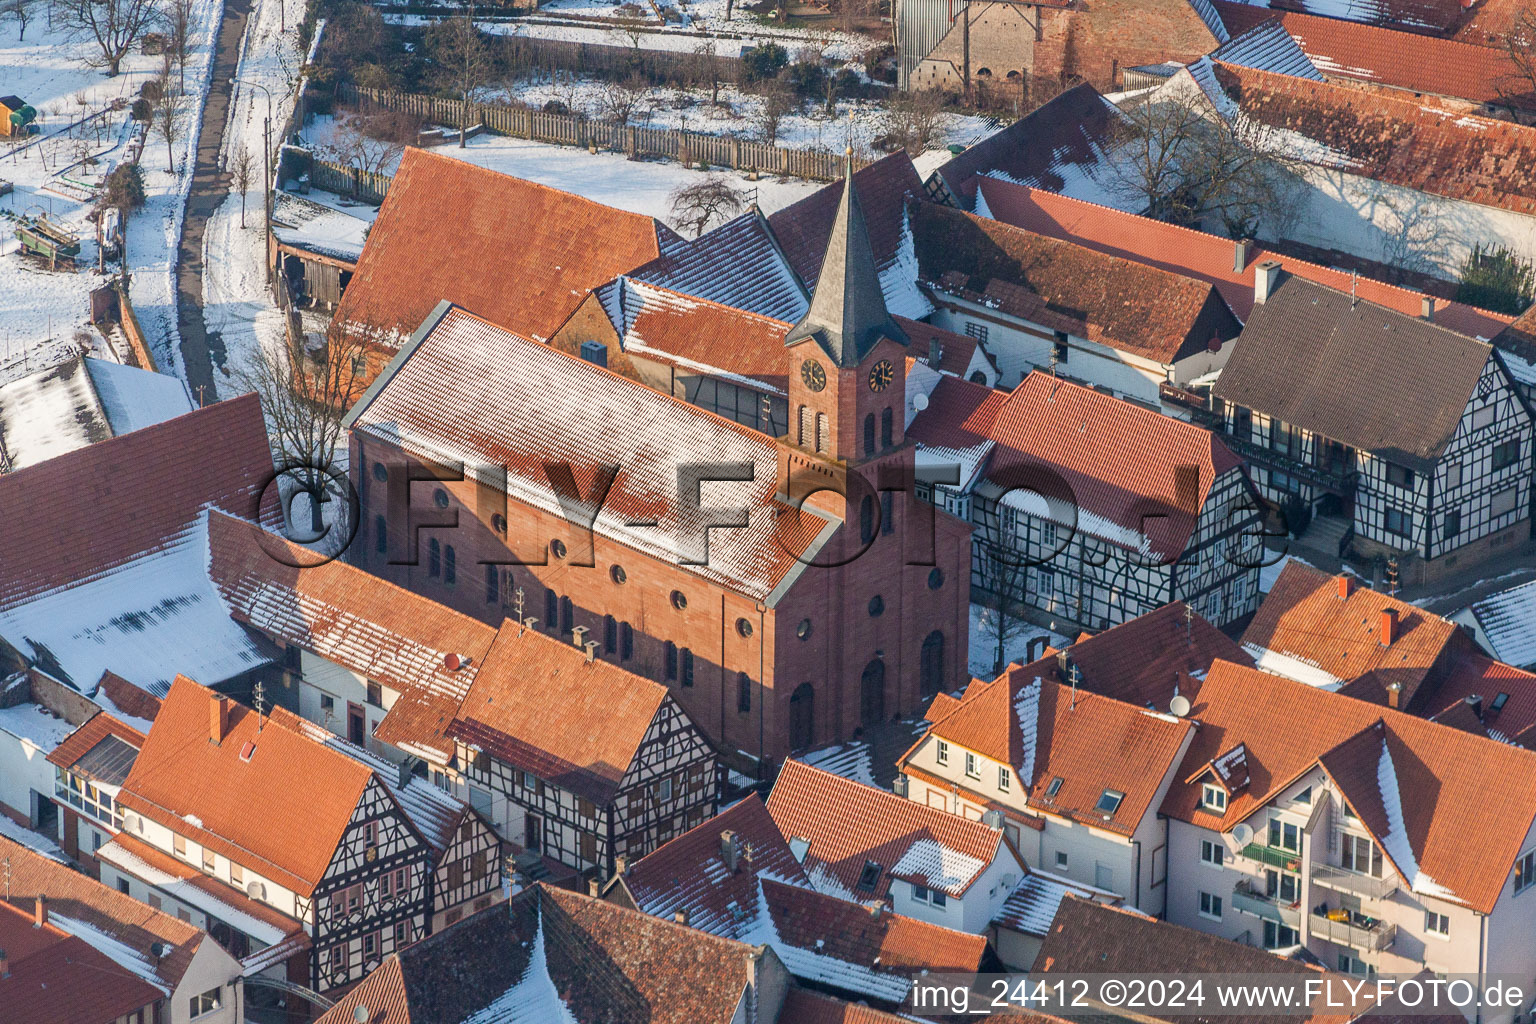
<point x="1109" y="803"/>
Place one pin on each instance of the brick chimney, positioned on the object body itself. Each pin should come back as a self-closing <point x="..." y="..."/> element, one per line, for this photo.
<point x="594" y="887"/>
<point x="1241" y="250"/>
<point x="620" y="864"/>
<point x="1346" y="585"/>
<point x="1475" y="702"/>
<point x="1266" y="278"/>
<point x="1388" y="626"/>
<point x="40" y="915"/>
<point x="1394" y="694"/>
<point x="680" y="916"/>
<point x="218" y="718"/>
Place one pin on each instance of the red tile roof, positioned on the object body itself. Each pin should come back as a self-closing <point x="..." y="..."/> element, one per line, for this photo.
<point x="1304" y="618"/>
<point x="262" y="812"/>
<point x="1474" y="675"/>
<point x="849" y="824"/>
<point x="354" y="619"/>
<point x="1110" y="459"/>
<point x="1382" y="55"/>
<point x="127" y="698"/>
<point x="445" y="232"/>
<point x="52" y="977"/>
<point x="1204" y="256"/>
<point x="1131" y="306"/>
<point x="1397" y="140"/>
<point x="1491" y="22"/>
<point x="73" y="896"/>
<point x="1028" y="719"/>
<point x="472" y="392"/>
<point x="883" y="187"/>
<point x="538" y="704"/>
<point x="74" y="516"/>
<point x="1145" y="660"/>
<point x="97" y="728"/>
<point x="802" y="1006"/>
<point x="1442" y="776"/>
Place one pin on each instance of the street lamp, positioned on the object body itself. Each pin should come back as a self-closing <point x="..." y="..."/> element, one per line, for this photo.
<point x="266" y="162"/>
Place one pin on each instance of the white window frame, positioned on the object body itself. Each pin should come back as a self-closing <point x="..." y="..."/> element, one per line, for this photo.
<point x="941" y="752"/>
<point x="1210" y="906"/>
<point x="1212" y="853"/>
<point x="1213" y="797"/>
<point x="1437" y="924"/>
<point x="972" y="766"/>
<point x="1525" y="871"/>
<point x="1004" y="778"/>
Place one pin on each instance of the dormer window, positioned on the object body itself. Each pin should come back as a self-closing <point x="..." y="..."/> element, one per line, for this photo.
<point x="1109" y="802"/>
<point x="869" y="876"/>
<point x="1213" y="798"/>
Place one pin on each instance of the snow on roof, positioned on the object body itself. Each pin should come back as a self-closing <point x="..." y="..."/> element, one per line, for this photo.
<point x="737" y="264"/>
<point x="938" y="866"/>
<point x="851" y="760"/>
<point x="146" y="620"/>
<point x="306" y="224"/>
<point x="534" y="997"/>
<point x="36" y="725"/>
<point x="1031" y="907"/>
<point x="114" y="949"/>
<point x="1268" y="47"/>
<point x="435" y="814"/>
<point x="1508" y="620"/>
<point x="1026" y="707"/>
<point x="47" y="414"/>
<point x="1395" y="839"/>
<point x="190" y="894"/>
<point x="1211" y="18"/>
<point x="1276" y="663"/>
<point x="135" y="398"/>
<point x="35" y="841"/>
<point x="465" y="390"/>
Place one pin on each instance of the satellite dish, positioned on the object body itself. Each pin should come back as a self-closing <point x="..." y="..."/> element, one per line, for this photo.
<point x="1179" y="705"/>
<point x="1243" y="834"/>
<point x="920" y="402"/>
<point x="256" y="890"/>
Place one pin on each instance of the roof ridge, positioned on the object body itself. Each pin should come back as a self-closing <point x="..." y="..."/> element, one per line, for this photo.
<point x="417" y="154"/>
<point x="745" y="314"/>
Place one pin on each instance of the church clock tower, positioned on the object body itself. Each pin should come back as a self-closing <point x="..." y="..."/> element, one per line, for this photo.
<point x="847" y="356"/>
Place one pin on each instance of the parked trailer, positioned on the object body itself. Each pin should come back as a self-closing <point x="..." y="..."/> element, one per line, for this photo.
<point x="42" y="237"/>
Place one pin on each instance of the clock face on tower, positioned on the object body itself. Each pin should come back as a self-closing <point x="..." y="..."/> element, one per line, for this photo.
<point x="813" y="375"/>
<point x="881" y="375"/>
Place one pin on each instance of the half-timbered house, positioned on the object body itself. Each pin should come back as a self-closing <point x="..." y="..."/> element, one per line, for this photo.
<point x="234" y="793"/>
<point x="1447" y="486"/>
<point x="585" y="761"/>
<point x="1089" y="510"/>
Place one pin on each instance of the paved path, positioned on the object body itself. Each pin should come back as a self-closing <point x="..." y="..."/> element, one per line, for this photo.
<point x="210" y="186"/>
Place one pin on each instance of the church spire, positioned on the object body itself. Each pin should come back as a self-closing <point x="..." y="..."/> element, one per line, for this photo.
<point x="847" y="315"/>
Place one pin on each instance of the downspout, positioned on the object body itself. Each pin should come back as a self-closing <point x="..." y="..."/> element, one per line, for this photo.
<point x="1482" y="955"/>
<point x="762" y="688"/>
<point x="1136" y="844"/>
<point x="1429" y="508"/>
<point x="723" y="672"/>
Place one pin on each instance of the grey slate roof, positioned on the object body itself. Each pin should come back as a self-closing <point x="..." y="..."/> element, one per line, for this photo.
<point x="847" y="315"/>
<point x="1353" y="371"/>
<point x="1268" y="47"/>
<point x="737" y="264"/>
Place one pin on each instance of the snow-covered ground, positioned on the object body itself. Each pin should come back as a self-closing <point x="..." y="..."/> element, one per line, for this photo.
<point x="639" y="186"/>
<point x="41" y="310"/>
<point x="236" y="302"/>
<point x="857" y="122"/>
<point x="1015" y="647"/>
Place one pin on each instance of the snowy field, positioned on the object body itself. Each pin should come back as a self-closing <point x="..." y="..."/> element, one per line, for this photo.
<point x="41" y="310"/>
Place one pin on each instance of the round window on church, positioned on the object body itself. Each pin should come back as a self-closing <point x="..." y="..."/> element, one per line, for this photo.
<point x="876" y="606"/>
<point x="557" y="548"/>
<point x="380" y="473"/>
<point x="617" y="574"/>
<point x="679" y="600"/>
<point x="803" y="631"/>
<point x="440" y="498"/>
<point x="935" y="578"/>
<point x="744" y="627"/>
<point x="499" y="523"/>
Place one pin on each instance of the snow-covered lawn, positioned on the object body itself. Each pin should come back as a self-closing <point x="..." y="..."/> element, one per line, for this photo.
<point x="40" y="310"/>
<point x="1016" y="646"/>
<point x="857" y="123"/>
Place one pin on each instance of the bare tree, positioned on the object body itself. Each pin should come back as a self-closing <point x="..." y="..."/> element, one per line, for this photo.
<point x="707" y="69"/>
<point x="777" y="102"/>
<point x="712" y="198"/>
<point x="305" y="389"/>
<point x="913" y="119"/>
<point x="1006" y="576"/>
<point x="1182" y="162"/>
<point x="622" y="100"/>
<point x="167" y="124"/>
<point x="460" y="50"/>
<point x="373" y="142"/>
<point x="178" y="43"/>
<point x="1519" y="45"/>
<point x="242" y="169"/>
<point x="114" y="26"/>
<point x="22" y="11"/>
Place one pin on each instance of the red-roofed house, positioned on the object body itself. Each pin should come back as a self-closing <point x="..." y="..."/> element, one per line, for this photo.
<point x="342" y="872"/>
<point x="1230" y="266"/>
<point x="1379" y="841"/>
<point x="1038" y="302"/>
<point x="735" y="876"/>
<point x="1076" y="777"/>
<point x="441" y="234"/>
<point x="78" y="951"/>
<point x="1089" y="509"/>
<point x="863" y="843"/>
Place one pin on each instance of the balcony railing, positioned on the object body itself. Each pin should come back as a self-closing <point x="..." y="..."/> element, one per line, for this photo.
<point x="1332" y="476"/>
<point x="1358" y="932"/>
<point x="1342" y="880"/>
<point x="1273" y="856"/>
<point x="1247" y="898"/>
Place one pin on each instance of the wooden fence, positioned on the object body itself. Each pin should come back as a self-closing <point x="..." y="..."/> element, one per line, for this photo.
<point x="574" y="130"/>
